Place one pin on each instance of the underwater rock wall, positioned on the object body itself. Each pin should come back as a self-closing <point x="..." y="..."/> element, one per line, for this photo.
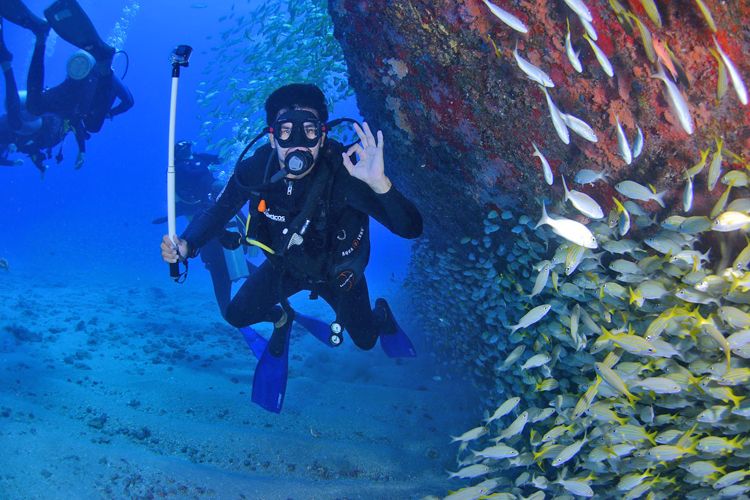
<point x="459" y="116"/>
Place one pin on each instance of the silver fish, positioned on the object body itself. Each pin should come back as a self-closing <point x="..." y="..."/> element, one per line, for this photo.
<point x="677" y="102"/>
<point x="737" y="83"/>
<point x="557" y="120"/>
<point x="583" y="202"/>
<point x="580" y="127"/>
<point x="534" y="73"/>
<point x="548" y="177"/>
<point x="507" y="17"/>
<point x="622" y="143"/>
<point x="580" y="9"/>
<point x="572" y="55"/>
<point x="638" y="144"/>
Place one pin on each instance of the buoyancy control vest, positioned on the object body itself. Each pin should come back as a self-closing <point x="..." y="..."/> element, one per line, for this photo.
<point x="322" y="243"/>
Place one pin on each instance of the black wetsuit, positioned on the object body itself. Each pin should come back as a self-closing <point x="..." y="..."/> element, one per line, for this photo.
<point x="304" y="266"/>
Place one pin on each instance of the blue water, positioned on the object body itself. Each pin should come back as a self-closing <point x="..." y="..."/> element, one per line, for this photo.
<point x="87" y="282"/>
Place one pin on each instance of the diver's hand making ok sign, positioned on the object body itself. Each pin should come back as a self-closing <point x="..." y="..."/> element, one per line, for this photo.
<point x="369" y="167"/>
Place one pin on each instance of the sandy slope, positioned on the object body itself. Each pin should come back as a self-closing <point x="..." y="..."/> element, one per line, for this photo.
<point x="115" y="392"/>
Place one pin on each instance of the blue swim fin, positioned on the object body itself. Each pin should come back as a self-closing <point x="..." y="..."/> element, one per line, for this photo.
<point x="393" y="339"/>
<point x="271" y="372"/>
<point x="255" y="342"/>
<point x="319" y="329"/>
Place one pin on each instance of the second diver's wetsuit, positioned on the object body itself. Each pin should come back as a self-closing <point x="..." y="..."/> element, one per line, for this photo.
<point x="307" y="266"/>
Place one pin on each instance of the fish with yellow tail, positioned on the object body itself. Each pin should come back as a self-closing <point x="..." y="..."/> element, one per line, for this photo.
<point x="600" y="56"/>
<point x="615" y="381"/>
<point x="730" y="221"/>
<point x="531" y="317"/>
<point x="636" y="191"/>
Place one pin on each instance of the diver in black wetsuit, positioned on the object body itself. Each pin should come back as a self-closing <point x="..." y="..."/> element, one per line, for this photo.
<point x="313" y="223"/>
<point x="196" y="189"/>
<point x="21" y="131"/>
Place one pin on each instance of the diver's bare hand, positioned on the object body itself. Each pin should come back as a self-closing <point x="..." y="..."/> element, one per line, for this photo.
<point x="169" y="252"/>
<point x="369" y="167"/>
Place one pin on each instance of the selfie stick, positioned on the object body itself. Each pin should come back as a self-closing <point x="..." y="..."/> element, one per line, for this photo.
<point x="180" y="56"/>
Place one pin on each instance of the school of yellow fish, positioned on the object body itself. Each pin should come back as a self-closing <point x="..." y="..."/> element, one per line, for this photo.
<point x="621" y="351"/>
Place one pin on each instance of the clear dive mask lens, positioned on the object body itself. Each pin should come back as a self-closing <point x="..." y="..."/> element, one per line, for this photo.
<point x="297" y="128"/>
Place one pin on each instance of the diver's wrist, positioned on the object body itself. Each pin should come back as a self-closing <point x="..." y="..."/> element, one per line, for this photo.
<point x="382" y="185"/>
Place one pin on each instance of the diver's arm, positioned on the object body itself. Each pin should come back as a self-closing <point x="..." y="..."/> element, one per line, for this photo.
<point x="125" y="96"/>
<point x="210" y="223"/>
<point x="392" y="208"/>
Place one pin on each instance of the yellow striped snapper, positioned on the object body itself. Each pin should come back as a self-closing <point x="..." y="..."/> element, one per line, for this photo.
<point x="714" y="170"/>
<point x="514" y="356"/>
<point x="505" y="408"/>
<point x="615" y="381"/>
<point x="630" y="343"/>
<point x="730" y="479"/>
<point x="653" y="13"/>
<point x="556" y="432"/>
<point x="600" y="56"/>
<point x="712" y="415"/>
<point x="474" y="492"/>
<point x="625" y="267"/>
<point x="515" y="428"/>
<point x="623" y="148"/>
<point x="636" y="191"/>
<point x="507" y="17"/>
<point x="739" y="339"/>
<point x="735" y="376"/>
<point x="722" y="80"/>
<point x="634" y="433"/>
<point x="499" y="451"/>
<point x="572" y="55"/>
<point x="652" y="290"/>
<point x="669" y="453"/>
<point x="695" y="225"/>
<point x="677" y="102"/>
<point x="717" y="444"/>
<point x="734" y="75"/>
<point x="587" y="176"/>
<point x="557" y="120"/>
<point x="580" y="127"/>
<point x="568" y="452"/>
<point x="545" y="165"/>
<point x="734" y="317"/>
<point x="698" y="167"/>
<point x="579" y="487"/>
<point x="470" y="471"/>
<point x="738" y="178"/>
<point x="571" y="230"/>
<point x="573" y="258"/>
<point x="470" y="435"/>
<point x="583" y="202"/>
<point x="536" y="361"/>
<point x="646" y="38"/>
<point x="531" y="317"/>
<point x="704" y="469"/>
<point x="630" y="481"/>
<point x="638" y="143"/>
<point x="548" y="384"/>
<point x="721" y="202"/>
<point x="730" y="221"/>
<point x="659" y="385"/>
<point x="706" y="15"/>
<point x="543" y="414"/>
<point x="668" y="436"/>
<point x="534" y="73"/>
<point x="584" y="402"/>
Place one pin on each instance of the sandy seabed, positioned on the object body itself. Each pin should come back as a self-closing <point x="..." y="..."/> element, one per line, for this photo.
<point x="112" y="391"/>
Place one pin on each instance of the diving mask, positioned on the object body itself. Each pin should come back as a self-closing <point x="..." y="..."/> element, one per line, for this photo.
<point x="298" y="128"/>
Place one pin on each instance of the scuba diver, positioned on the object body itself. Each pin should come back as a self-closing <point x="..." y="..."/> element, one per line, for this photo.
<point x="196" y="188"/>
<point x="87" y="95"/>
<point x="20" y="130"/>
<point x="309" y="212"/>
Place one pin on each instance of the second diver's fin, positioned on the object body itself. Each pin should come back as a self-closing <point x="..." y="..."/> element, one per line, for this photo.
<point x="319" y="329"/>
<point x="16" y="12"/>
<point x="271" y="372"/>
<point x="72" y="24"/>
<point x="393" y="339"/>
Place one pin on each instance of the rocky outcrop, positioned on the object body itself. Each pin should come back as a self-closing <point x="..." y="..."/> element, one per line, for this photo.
<point x="459" y="116"/>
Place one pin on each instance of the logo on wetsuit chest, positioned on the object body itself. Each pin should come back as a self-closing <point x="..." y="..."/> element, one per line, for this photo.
<point x="277" y="218"/>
